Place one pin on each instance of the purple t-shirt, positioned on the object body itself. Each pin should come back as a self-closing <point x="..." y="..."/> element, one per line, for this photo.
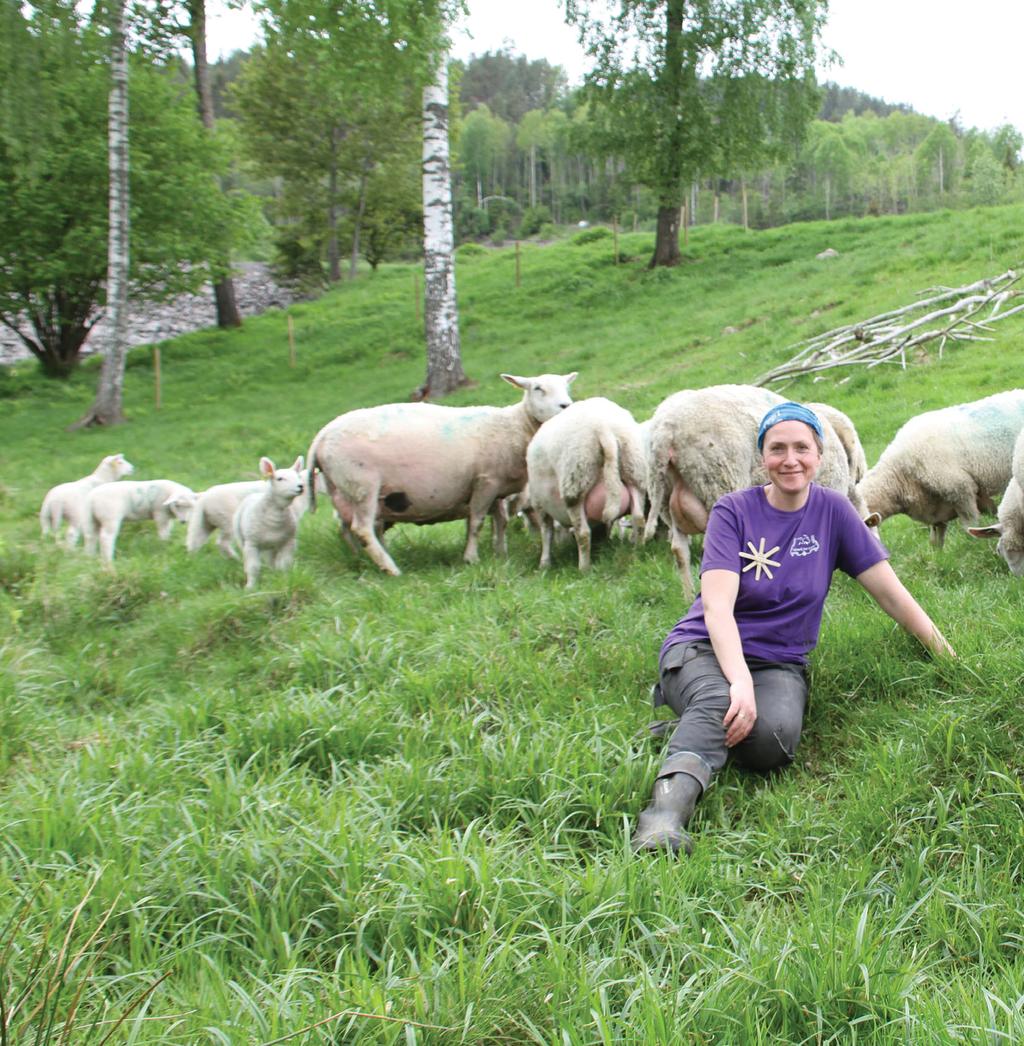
<point x="785" y="562"/>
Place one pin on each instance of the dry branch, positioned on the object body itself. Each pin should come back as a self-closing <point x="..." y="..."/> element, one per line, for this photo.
<point x="946" y="314"/>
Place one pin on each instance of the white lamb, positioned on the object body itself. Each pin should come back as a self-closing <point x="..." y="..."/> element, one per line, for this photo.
<point x="947" y="464"/>
<point x="424" y="463"/>
<point x="111" y="504"/>
<point x="703" y="444"/>
<point x="586" y="465"/>
<point x="66" y="501"/>
<point x="1010" y="528"/>
<point x="264" y="524"/>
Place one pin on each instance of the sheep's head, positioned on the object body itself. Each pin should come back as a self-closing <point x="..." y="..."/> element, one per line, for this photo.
<point x="284" y="483"/>
<point x="1010" y="546"/>
<point x="117" y="465"/>
<point x="545" y="395"/>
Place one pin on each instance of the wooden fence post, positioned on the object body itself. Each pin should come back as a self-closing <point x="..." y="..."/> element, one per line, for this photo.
<point x="517" y="264"/>
<point x="158" y="392"/>
<point x="615" y="237"/>
<point x="291" y="341"/>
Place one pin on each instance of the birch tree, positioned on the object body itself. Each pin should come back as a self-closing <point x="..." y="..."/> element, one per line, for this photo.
<point x="444" y="360"/>
<point x="107" y="407"/>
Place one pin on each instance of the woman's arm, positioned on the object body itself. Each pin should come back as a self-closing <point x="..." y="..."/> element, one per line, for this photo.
<point x="718" y="589"/>
<point x="890" y="594"/>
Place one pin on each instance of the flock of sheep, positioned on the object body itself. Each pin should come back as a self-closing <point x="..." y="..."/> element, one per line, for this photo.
<point x="572" y="464"/>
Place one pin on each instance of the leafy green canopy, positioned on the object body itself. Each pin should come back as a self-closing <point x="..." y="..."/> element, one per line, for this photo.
<point x="53" y="179"/>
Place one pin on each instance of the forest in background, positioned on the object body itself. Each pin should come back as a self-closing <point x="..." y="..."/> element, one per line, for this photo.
<point x="526" y="162"/>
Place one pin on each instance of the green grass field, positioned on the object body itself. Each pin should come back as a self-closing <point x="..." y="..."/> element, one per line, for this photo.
<point x="405" y="803"/>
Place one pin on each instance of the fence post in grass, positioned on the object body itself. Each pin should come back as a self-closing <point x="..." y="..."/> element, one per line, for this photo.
<point x="291" y="341"/>
<point x="615" y="237"/>
<point x="158" y="396"/>
<point x="517" y="264"/>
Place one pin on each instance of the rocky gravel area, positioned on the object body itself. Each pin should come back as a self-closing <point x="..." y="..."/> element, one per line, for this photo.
<point x="255" y="289"/>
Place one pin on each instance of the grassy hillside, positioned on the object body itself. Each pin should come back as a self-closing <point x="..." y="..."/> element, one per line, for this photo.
<point x="407" y="801"/>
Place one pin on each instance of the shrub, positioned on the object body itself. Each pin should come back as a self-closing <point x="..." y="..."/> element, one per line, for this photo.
<point x="470" y="250"/>
<point x="533" y="219"/>
<point x="591" y="235"/>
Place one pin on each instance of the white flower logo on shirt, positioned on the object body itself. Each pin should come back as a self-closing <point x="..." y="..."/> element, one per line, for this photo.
<point x="760" y="560"/>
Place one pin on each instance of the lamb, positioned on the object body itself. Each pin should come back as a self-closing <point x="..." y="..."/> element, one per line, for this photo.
<point x="66" y="501"/>
<point x="424" y="463"/>
<point x="264" y="523"/>
<point x="111" y="504"/>
<point x="586" y="465"/>
<point x="703" y="444"/>
<point x="1010" y="528"/>
<point x="214" y="509"/>
<point x="947" y="464"/>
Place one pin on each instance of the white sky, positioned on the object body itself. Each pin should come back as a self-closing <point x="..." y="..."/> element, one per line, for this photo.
<point x="939" y="56"/>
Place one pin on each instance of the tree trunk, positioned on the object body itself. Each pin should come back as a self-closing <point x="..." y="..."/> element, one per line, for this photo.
<point x="223" y="287"/>
<point x="441" y="318"/>
<point x="107" y="407"/>
<point x="666" y="241"/>
<point x="353" y="264"/>
<point x="333" y="252"/>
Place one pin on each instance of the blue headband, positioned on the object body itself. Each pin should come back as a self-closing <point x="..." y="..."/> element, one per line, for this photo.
<point x="788" y="412"/>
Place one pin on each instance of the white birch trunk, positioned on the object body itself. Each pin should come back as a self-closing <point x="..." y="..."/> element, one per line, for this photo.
<point x="107" y="407"/>
<point x="441" y="317"/>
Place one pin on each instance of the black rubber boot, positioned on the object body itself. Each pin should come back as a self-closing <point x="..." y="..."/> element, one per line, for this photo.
<point x="661" y="826"/>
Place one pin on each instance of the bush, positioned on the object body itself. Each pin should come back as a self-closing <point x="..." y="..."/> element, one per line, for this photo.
<point x="591" y="235"/>
<point x="297" y="259"/>
<point x="499" y="236"/>
<point x="533" y="219"/>
<point x="470" y="250"/>
<point x="546" y="231"/>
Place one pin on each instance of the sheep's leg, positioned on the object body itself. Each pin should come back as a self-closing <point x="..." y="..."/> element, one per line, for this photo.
<point x="346" y="533"/>
<point x="480" y="502"/>
<point x="636" y="514"/>
<point x="285" y="555"/>
<point x="251" y="559"/>
<point x="581" y="528"/>
<point x="365" y="529"/>
<point x="547" y="530"/>
<point x="164" y="524"/>
<point x="224" y="543"/>
<point x="937" y="535"/>
<point x="499" y="518"/>
<point x="108" y="539"/>
<point x="681" y="550"/>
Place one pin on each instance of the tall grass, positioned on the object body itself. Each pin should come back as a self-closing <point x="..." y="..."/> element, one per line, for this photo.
<point x="352" y="808"/>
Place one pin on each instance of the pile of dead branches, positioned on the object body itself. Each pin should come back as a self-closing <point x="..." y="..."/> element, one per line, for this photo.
<point x="947" y="314"/>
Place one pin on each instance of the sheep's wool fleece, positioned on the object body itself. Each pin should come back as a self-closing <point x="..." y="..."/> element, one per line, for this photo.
<point x="785" y="562"/>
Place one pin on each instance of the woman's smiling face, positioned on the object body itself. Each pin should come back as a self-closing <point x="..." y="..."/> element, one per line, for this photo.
<point x="791" y="456"/>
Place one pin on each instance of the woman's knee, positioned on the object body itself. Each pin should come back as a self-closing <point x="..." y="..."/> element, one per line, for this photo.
<point x="769" y="746"/>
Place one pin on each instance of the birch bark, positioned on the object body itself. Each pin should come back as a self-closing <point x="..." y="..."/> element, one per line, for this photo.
<point x="444" y="361"/>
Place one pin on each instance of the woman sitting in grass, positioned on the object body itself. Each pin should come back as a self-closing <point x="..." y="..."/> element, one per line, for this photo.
<point x="733" y="669"/>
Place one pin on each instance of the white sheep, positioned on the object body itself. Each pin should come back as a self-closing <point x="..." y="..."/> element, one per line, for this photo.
<point x="66" y="501"/>
<point x="586" y="465"/>
<point x="947" y="464"/>
<point x="111" y="504"/>
<point x="703" y="444"/>
<point x="264" y="524"/>
<point x="425" y="463"/>
<point x="1010" y="528"/>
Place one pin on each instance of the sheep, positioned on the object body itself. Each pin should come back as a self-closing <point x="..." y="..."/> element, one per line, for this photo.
<point x="214" y="509"/>
<point x="1010" y="528"/>
<point x="946" y="464"/>
<point x="111" y="504"/>
<point x="264" y="523"/>
<point x="425" y="463"/>
<point x="703" y="444"/>
<point x="586" y="465"/>
<point x="855" y="457"/>
<point x="66" y="501"/>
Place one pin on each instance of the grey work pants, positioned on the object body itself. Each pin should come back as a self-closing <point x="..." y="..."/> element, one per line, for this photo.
<point x="693" y="686"/>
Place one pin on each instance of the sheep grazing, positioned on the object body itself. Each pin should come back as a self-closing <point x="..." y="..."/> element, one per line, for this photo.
<point x="66" y="501"/>
<point x="264" y="524"/>
<point x="703" y="444"/>
<point x="1010" y="528"/>
<point x="424" y="463"/>
<point x="856" y="460"/>
<point x="586" y="465"/>
<point x="111" y="504"/>
<point x="947" y="464"/>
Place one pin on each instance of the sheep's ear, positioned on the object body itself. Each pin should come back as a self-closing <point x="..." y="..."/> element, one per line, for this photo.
<point x="570" y="378"/>
<point x="872" y="519"/>
<point x="513" y="380"/>
<point x="299" y="463"/>
<point x="986" y="532"/>
<point x="266" y="467"/>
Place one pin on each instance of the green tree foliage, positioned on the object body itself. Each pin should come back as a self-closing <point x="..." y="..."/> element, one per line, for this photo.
<point x="684" y="88"/>
<point x="53" y="180"/>
<point x="511" y="85"/>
